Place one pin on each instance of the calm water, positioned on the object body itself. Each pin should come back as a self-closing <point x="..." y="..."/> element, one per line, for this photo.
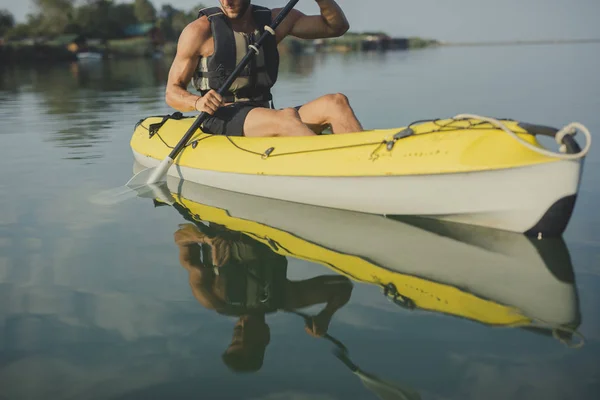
<point x="95" y="304"/>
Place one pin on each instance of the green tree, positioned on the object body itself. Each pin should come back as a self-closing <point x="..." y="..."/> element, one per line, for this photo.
<point x="171" y="21"/>
<point x="123" y="15"/>
<point x="165" y="21"/>
<point x="180" y="20"/>
<point x="55" y="15"/>
<point x="7" y="21"/>
<point x="104" y="19"/>
<point x="144" y="11"/>
<point x="193" y="13"/>
<point x="92" y="18"/>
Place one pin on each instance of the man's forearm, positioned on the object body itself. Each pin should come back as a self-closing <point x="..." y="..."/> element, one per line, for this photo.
<point x="180" y="99"/>
<point x="334" y="16"/>
<point x="337" y="300"/>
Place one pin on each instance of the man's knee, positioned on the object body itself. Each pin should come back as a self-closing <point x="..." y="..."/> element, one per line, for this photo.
<point x="289" y="120"/>
<point x="289" y="114"/>
<point x="289" y="117"/>
<point x="338" y="100"/>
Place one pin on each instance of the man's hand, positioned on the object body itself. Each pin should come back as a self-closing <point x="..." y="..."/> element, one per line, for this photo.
<point x="318" y="325"/>
<point x="209" y="103"/>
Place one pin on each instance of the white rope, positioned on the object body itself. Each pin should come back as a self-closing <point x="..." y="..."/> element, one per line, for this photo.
<point x="570" y="129"/>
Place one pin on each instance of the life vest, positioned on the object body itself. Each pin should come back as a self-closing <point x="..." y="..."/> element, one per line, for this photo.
<point x="256" y="80"/>
<point x="253" y="280"/>
<point x="254" y="287"/>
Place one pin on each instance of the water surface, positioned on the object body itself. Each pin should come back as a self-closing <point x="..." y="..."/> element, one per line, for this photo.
<point x="95" y="304"/>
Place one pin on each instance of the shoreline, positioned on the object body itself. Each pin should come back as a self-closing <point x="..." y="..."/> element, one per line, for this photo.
<point x="30" y="51"/>
<point x="39" y="50"/>
<point x="521" y="42"/>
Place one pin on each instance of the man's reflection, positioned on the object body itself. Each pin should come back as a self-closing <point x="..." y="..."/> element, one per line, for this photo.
<point x="235" y="275"/>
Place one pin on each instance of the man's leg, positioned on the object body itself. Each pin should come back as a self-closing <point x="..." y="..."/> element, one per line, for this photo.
<point x="333" y="290"/>
<point x="331" y="109"/>
<point x="267" y="122"/>
<point x="314" y="116"/>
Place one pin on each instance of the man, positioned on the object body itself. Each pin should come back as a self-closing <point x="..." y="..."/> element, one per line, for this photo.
<point x="211" y="46"/>
<point x="239" y="276"/>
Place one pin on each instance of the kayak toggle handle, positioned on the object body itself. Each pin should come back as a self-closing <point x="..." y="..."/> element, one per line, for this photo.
<point x="268" y="152"/>
<point x="400" y="135"/>
<point x="392" y="294"/>
<point x="154" y="128"/>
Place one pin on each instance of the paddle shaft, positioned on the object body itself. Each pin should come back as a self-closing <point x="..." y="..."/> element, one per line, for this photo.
<point x="236" y="72"/>
<point x="327" y="336"/>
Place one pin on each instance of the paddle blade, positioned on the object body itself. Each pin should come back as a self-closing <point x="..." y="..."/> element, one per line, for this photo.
<point x="113" y="196"/>
<point x="148" y="182"/>
<point x="117" y="195"/>
<point x="158" y="174"/>
<point x="387" y="390"/>
<point x="150" y="175"/>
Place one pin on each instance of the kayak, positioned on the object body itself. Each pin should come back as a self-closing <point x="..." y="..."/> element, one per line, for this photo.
<point x="466" y="169"/>
<point x="484" y="275"/>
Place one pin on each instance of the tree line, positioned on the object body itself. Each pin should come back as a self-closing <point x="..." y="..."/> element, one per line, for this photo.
<point x="102" y="19"/>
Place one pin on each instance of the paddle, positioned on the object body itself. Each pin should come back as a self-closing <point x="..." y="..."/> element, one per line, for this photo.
<point x="385" y="390"/>
<point x="146" y="180"/>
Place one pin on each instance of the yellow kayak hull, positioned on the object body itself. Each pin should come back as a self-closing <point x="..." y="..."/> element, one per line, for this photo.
<point x="436" y="147"/>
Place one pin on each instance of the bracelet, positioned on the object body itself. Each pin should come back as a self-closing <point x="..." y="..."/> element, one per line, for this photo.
<point x="196" y="103"/>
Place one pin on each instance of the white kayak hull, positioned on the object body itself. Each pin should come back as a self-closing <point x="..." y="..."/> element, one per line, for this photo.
<point x="514" y="199"/>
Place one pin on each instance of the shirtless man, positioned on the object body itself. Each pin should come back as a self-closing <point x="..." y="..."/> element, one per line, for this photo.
<point x="210" y="48"/>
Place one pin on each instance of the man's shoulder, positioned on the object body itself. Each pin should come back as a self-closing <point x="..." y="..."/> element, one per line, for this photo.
<point x="199" y="28"/>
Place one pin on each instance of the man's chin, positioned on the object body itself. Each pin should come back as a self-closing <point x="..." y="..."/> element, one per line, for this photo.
<point x="238" y="15"/>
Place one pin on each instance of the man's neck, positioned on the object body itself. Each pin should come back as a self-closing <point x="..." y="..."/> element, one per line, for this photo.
<point x="245" y="23"/>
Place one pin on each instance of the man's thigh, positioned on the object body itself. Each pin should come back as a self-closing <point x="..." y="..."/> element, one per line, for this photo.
<point x="262" y="122"/>
<point x="269" y="122"/>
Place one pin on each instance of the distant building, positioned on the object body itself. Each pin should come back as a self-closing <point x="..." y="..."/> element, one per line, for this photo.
<point x="148" y="30"/>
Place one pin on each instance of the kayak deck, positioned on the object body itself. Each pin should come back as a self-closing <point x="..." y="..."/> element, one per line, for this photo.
<point x="434" y="147"/>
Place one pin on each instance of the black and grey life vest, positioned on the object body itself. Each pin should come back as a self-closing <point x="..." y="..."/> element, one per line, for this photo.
<point x="259" y="76"/>
<point x="255" y="285"/>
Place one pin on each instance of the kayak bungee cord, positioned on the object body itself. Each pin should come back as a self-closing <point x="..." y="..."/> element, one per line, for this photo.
<point x="570" y="129"/>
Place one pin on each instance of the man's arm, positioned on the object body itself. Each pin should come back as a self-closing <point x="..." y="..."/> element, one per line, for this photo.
<point x="201" y="279"/>
<point x="192" y="43"/>
<point x="331" y="23"/>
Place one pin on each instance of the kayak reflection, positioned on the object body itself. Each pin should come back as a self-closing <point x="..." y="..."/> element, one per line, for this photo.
<point x="236" y="275"/>
<point x="492" y="277"/>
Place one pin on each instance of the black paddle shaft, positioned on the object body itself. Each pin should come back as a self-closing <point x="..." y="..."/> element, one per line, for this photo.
<point x="236" y="72"/>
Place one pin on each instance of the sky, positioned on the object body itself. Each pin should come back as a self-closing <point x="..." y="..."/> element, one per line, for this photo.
<point x="445" y="20"/>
